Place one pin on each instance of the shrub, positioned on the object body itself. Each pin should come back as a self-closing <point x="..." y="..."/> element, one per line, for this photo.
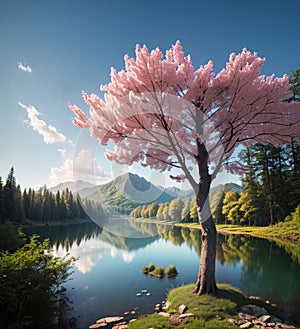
<point x="158" y="271"/>
<point x="149" y="268"/>
<point x="171" y="271"/>
<point x="30" y="285"/>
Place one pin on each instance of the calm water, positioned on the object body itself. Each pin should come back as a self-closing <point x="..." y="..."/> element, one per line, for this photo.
<point x="108" y="275"/>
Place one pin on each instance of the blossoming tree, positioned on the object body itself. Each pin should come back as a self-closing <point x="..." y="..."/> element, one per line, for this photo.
<point x="164" y="114"/>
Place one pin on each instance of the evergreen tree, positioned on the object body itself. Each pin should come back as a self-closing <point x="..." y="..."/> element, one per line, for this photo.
<point x="2" y="216"/>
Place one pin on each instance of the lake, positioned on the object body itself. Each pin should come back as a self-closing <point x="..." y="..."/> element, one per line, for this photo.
<point x="107" y="276"/>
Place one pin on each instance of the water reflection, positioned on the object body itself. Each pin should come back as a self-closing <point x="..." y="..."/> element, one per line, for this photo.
<point x="256" y="266"/>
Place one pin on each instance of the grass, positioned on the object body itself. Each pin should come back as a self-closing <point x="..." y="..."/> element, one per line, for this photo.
<point x="289" y="230"/>
<point x="160" y="271"/>
<point x="210" y="311"/>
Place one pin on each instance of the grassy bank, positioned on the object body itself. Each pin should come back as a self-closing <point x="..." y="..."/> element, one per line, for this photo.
<point x="209" y="311"/>
<point x="285" y="230"/>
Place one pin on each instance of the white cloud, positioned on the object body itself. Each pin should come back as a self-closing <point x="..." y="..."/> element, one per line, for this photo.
<point x="128" y="256"/>
<point x="23" y="67"/>
<point x="82" y="167"/>
<point x="88" y="253"/>
<point x="49" y="133"/>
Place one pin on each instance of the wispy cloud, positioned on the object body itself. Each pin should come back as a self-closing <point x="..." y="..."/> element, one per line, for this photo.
<point x="23" y="67"/>
<point x="81" y="167"/>
<point x="49" y="133"/>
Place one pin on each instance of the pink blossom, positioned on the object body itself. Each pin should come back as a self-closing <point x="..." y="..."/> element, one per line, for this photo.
<point x="158" y="108"/>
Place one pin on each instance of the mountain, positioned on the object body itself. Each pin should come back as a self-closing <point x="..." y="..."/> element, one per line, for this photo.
<point x="177" y="192"/>
<point x="227" y="187"/>
<point x="127" y="192"/>
<point x="77" y="186"/>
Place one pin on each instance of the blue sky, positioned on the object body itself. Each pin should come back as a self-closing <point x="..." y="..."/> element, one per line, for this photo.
<point x="51" y="50"/>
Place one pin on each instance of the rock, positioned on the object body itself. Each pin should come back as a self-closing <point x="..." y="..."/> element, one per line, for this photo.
<point x="255" y="297"/>
<point x="120" y="326"/>
<point x="254" y="310"/>
<point x="132" y="312"/>
<point x="164" y="314"/>
<point x="144" y="291"/>
<point x="138" y="294"/>
<point x="98" y="325"/>
<point x="126" y="313"/>
<point x="287" y="326"/>
<point x="232" y="321"/>
<point x="148" y="294"/>
<point x="110" y="319"/>
<point x="167" y="304"/>
<point x="264" y="318"/>
<point x="132" y="320"/>
<point x="182" y="308"/>
<point x="246" y="325"/>
<point x="246" y="316"/>
<point x="186" y="315"/>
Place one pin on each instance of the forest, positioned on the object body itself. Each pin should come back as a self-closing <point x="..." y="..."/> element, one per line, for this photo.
<point x="41" y="206"/>
<point x="270" y="192"/>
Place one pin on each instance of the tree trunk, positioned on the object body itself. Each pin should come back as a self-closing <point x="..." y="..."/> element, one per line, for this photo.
<point x="206" y="282"/>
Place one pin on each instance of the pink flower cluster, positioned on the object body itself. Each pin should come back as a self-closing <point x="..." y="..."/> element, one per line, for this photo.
<point x="157" y="108"/>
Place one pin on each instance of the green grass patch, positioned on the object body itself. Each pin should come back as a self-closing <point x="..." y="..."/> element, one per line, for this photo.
<point x="171" y="271"/>
<point x="289" y="230"/>
<point x="210" y="311"/>
<point x="158" y="271"/>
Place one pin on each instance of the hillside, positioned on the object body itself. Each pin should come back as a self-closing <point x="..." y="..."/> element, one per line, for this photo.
<point x="127" y="192"/>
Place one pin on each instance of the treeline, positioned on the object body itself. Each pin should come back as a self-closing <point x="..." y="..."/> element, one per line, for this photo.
<point x="176" y="210"/>
<point x="271" y="186"/>
<point x="270" y="192"/>
<point x="41" y="206"/>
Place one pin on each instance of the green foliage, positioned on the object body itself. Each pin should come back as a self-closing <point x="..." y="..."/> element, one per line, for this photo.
<point x="149" y="268"/>
<point x="41" y="206"/>
<point x="171" y="271"/>
<point x="30" y="285"/>
<point x="158" y="271"/>
<point x="296" y="214"/>
<point x="210" y="311"/>
<point x="11" y="238"/>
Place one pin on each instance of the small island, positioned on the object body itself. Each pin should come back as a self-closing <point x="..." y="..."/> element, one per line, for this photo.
<point x="160" y="272"/>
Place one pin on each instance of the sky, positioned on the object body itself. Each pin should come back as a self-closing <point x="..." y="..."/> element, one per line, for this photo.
<point x="51" y="50"/>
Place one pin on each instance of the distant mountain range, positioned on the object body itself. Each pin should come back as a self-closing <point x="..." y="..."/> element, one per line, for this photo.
<point x="128" y="191"/>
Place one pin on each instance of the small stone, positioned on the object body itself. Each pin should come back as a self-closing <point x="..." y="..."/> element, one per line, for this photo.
<point x="246" y="316"/>
<point x="255" y="297"/>
<point x="98" y="325"/>
<point x="287" y="326"/>
<point x="186" y="315"/>
<point x="264" y="318"/>
<point x="148" y="294"/>
<point x="182" y="308"/>
<point x="144" y="291"/>
<point x="138" y="294"/>
<point x="246" y="325"/>
<point x="126" y="313"/>
<point x="122" y="325"/>
<point x="167" y="304"/>
<point x="132" y="312"/>
<point x="164" y="314"/>
<point x="114" y="319"/>
<point x="132" y="320"/>
<point x="232" y="321"/>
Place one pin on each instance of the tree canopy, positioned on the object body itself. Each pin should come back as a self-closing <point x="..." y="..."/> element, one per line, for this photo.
<point x="158" y="110"/>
